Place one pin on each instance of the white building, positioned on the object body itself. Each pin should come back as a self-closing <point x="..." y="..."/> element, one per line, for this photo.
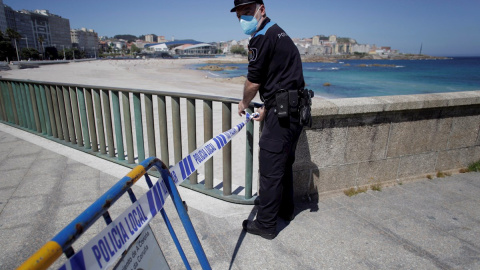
<point x="159" y="47"/>
<point x="149" y="38"/>
<point x="85" y="40"/>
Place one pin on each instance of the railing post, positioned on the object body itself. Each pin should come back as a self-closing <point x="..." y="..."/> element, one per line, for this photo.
<point x="76" y="116"/>
<point x="38" y="97"/>
<point x="152" y="151"/>
<point x="227" y="150"/>
<point x="118" y="125"/>
<point x="16" y="107"/>
<point x="127" y="120"/>
<point x="137" y="110"/>
<point x="35" y="109"/>
<point x="3" y="114"/>
<point x="56" y="111"/>
<point x="8" y="103"/>
<point x="18" y="103"/>
<point x="192" y="133"/>
<point x="177" y="131"/>
<point x="162" y="123"/>
<point x="249" y="158"/>
<point x="108" y="123"/>
<point x="51" y="114"/>
<point x="46" y="114"/>
<point x="83" y="117"/>
<point x="29" y="106"/>
<point x="208" y="135"/>
<point x="99" y="118"/>
<point x="13" y="102"/>
<point x="68" y="111"/>
<point x="91" y="119"/>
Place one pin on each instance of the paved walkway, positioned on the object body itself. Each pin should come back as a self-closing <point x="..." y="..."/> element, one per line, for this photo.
<point x="428" y="224"/>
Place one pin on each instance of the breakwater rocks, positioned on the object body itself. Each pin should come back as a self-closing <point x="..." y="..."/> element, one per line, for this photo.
<point x="216" y="68"/>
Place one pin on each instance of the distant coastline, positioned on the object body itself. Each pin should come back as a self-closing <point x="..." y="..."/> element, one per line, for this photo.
<point x="334" y="58"/>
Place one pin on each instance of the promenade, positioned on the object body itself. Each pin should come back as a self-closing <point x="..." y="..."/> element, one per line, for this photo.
<point x="426" y="224"/>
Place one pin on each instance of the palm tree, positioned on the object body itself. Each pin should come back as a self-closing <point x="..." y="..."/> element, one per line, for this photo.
<point x="40" y="40"/>
<point x="12" y="34"/>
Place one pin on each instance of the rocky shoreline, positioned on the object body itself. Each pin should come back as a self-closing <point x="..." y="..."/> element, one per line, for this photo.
<point x="320" y="59"/>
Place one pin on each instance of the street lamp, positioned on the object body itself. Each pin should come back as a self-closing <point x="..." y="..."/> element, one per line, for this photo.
<point x="43" y="48"/>
<point x="16" y="48"/>
<point x="63" y="51"/>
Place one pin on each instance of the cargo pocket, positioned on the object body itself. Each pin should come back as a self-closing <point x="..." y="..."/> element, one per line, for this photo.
<point x="272" y="158"/>
<point x="271" y="145"/>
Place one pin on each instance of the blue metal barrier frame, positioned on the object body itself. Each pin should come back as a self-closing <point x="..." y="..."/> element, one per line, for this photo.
<point x="62" y="242"/>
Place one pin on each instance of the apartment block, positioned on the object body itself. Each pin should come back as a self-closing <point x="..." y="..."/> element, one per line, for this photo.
<point x="3" y="18"/>
<point x="39" y="29"/>
<point x="85" y="40"/>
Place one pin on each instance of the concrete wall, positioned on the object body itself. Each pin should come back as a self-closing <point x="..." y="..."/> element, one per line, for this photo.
<point x="362" y="141"/>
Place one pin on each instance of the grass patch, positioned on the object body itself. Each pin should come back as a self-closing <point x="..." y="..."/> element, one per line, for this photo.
<point x="354" y="191"/>
<point x="376" y="187"/>
<point x="463" y="170"/>
<point x="474" y="167"/>
<point x="429" y="177"/>
<point x="440" y="174"/>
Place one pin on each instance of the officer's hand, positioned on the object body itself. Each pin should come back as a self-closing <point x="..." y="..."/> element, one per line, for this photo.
<point x="241" y="109"/>
<point x="263" y="112"/>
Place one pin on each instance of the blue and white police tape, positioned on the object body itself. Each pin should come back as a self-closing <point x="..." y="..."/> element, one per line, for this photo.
<point x="102" y="251"/>
<point x="182" y="170"/>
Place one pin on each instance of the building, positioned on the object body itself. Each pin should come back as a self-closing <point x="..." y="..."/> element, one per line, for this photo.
<point x="85" y="40"/>
<point x="161" y="39"/>
<point x="197" y="49"/>
<point x="39" y="29"/>
<point x="149" y="38"/>
<point x="3" y="18"/>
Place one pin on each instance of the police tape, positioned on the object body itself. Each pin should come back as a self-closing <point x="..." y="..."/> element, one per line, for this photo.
<point x="102" y="251"/>
<point x="194" y="160"/>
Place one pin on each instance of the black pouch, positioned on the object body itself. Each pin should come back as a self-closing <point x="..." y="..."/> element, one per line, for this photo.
<point x="293" y="101"/>
<point x="281" y="98"/>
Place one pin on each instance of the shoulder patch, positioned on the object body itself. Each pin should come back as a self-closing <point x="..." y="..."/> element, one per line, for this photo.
<point x="252" y="54"/>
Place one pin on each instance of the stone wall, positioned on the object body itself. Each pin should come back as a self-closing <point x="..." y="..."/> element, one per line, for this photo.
<point x="363" y="141"/>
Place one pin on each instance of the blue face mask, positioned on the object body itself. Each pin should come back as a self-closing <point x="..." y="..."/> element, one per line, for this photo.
<point x="249" y="23"/>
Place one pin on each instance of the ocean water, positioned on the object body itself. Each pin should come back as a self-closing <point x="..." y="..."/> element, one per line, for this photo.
<point x="366" y="78"/>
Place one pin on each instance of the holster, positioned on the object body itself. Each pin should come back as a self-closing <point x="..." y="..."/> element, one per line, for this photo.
<point x="305" y="107"/>
<point x="296" y="103"/>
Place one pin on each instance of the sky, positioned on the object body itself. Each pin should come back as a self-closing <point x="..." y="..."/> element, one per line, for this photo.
<point x="444" y="27"/>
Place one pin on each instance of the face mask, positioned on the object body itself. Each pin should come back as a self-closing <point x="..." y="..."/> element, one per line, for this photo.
<point x="249" y="23"/>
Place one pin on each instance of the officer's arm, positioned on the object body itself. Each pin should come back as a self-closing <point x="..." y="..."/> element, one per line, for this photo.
<point x="249" y="92"/>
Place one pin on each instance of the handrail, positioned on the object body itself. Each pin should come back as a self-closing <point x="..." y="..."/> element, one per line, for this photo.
<point x="99" y="120"/>
<point x="140" y="91"/>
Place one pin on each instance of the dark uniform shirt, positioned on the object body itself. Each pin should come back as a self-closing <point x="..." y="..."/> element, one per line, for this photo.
<point x="274" y="61"/>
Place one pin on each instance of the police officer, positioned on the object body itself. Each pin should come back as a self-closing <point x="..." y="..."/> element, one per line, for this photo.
<point x="274" y="70"/>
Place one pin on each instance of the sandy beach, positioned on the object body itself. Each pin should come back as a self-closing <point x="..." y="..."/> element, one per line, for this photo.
<point x="150" y="74"/>
<point x="173" y="75"/>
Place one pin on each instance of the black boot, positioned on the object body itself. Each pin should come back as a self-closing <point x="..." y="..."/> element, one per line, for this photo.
<point x="252" y="227"/>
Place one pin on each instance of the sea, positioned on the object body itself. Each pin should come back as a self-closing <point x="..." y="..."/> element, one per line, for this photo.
<point x="367" y="78"/>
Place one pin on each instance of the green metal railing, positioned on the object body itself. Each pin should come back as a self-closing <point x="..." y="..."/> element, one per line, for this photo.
<point x="98" y="120"/>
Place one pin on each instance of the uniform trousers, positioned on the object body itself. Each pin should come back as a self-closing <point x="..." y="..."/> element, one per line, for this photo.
<point x="277" y="154"/>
